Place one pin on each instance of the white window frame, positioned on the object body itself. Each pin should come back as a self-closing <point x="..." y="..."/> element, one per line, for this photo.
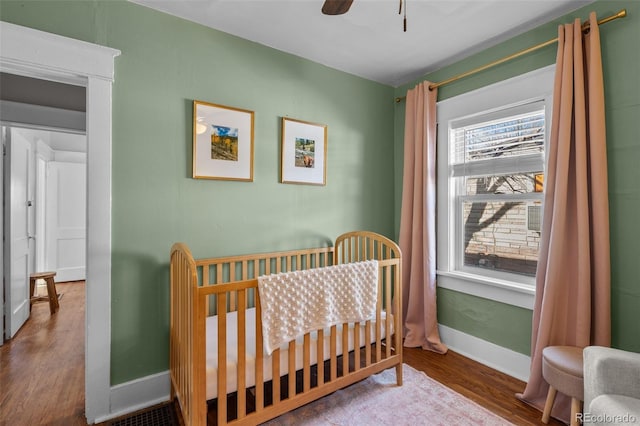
<point x="513" y="289"/>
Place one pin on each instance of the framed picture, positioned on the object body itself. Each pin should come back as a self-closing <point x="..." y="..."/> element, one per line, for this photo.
<point x="304" y="152"/>
<point x="222" y="142"/>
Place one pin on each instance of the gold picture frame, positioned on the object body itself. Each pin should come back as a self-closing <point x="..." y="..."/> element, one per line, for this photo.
<point x="304" y="152"/>
<point x="222" y="142"/>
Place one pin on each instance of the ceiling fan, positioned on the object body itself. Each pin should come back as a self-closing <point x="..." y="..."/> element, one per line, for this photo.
<point x="339" y="7"/>
<point x="336" y="7"/>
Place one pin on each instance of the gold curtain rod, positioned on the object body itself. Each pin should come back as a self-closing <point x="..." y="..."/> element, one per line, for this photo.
<point x="585" y="28"/>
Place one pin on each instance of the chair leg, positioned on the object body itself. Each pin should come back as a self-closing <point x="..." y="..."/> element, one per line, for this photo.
<point x="551" y="395"/>
<point x="53" y="296"/>
<point x="575" y="409"/>
<point x="32" y="286"/>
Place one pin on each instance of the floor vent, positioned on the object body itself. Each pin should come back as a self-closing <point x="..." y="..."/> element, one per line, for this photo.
<point x="163" y="415"/>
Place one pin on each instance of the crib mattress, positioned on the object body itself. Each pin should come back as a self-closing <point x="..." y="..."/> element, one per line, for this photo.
<point x="232" y="350"/>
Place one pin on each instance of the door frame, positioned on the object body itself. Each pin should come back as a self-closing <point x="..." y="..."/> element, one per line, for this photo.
<point x="33" y="53"/>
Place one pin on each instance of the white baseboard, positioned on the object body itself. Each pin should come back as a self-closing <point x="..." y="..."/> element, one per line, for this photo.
<point x="137" y="394"/>
<point x="497" y="357"/>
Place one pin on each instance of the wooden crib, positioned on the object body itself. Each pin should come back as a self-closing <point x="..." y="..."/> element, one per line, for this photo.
<point x="239" y="383"/>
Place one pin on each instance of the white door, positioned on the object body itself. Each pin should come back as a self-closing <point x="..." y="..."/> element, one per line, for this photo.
<point x="66" y="196"/>
<point x="18" y="209"/>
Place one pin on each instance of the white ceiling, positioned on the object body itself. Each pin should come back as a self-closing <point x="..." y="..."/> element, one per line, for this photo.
<point x="369" y="40"/>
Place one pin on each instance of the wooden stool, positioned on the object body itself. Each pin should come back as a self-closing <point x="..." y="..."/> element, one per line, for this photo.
<point x="562" y="369"/>
<point x="52" y="296"/>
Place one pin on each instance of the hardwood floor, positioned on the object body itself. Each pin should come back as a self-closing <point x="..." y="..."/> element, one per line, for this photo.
<point x="490" y="388"/>
<point x="42" y="367"/>
<point x="42" y="371"/>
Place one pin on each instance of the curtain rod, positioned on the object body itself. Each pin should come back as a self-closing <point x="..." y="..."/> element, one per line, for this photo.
<point x="585" y="28"/>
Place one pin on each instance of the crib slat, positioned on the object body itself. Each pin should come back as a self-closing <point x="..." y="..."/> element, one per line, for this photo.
<point x="242" y="353"/>
<point x="259" y="358"/>
<point x="320" y="357"/>
<point x="232" y="295"/>
<point x="372" y="249"/>
<point x="378" y="321"/>
<point x="199" y="353"/>
<point x="306" y="363"/>
<point x="222" y="358"/>
<point x="356" y="345"/>
<point x="292" y="368"/>
<point x="367" y="346"/>
<point x="387" y="323"/>
<point x="244" y="276"/>
<point x="218" y="281"/>
<point x="333" y="353"/>
<point x="345" y="349"/>
<point x="245" y="270"/>
<point x="275" y="377"/>
<point x="205" y="282"/>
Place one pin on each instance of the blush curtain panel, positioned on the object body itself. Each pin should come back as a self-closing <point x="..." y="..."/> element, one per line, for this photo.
<point x="572" y="304"/>
<point x="417" y="222"/>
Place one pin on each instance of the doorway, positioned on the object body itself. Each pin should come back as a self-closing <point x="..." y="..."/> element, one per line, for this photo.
<point x="91" y="66"/>
<point x="44" y="188"/>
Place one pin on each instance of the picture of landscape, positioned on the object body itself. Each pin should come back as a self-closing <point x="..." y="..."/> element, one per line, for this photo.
<point x="305" y="153"/>
<point x="224" y="143"/>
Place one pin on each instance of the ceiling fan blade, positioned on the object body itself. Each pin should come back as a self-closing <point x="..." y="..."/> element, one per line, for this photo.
<point x="336" y="7"/>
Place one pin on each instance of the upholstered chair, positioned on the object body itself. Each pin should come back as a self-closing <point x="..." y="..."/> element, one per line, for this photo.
<point x="611" y="387"/>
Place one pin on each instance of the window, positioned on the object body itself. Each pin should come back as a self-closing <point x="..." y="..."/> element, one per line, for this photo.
<point x="494" y="160"/>
<point x="491" y="160"/>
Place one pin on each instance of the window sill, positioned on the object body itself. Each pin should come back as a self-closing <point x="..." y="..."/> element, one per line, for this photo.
<point x="503" y="291"/>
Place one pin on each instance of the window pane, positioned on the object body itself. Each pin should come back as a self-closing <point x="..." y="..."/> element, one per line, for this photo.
<point x="501" y="236"/>
<point x="506" y="137"/>
<point x="522" y="183"/>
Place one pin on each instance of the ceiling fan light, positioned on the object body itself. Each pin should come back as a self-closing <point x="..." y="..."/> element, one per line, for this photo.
<point x="200" y="128"/>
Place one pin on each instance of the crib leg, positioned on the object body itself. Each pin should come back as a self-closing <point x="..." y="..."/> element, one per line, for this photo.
<point x="399" y="374"/>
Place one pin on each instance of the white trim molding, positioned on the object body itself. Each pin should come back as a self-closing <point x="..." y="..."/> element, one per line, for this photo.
<point x="513" y="289"/>
<point x="497" y="357"/>
<point x="501" y="291"/>
<point x="28" y="52"/>
<point x="138" y="394"/>
<point x="44" y="117"/>
<point x="39" y="54"/>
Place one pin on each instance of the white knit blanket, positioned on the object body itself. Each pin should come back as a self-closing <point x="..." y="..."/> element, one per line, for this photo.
<point x="295" y="303"/>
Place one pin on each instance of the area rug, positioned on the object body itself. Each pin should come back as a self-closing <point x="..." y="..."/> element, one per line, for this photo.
<point x="377" y="400"/>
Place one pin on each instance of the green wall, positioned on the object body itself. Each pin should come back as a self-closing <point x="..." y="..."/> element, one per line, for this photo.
<point x="166" y="63"/>
<point x="509" y="326"/>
